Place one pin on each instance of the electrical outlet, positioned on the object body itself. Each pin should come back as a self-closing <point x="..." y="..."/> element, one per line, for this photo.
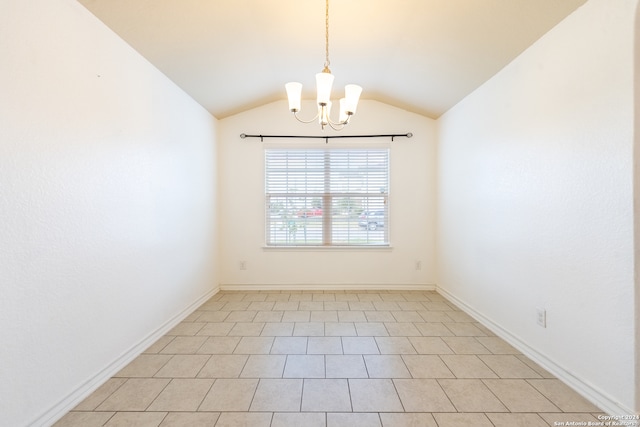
<point x="541" y="317"/>
<point x="418" y="265"/>
<point x="243" y="265"/>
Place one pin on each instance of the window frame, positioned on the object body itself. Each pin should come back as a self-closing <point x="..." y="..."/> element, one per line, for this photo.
<point x="329" y="198"/>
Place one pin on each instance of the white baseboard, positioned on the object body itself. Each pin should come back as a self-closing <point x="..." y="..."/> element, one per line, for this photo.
<point x="78" y="395"/>
<point x="590" y="392"/>
<point x="328" y="287"/>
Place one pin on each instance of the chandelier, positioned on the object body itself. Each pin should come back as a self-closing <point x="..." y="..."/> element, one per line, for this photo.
<point x="324" y="81"/>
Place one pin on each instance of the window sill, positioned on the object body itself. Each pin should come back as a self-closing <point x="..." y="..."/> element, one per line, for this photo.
<point x="381" y="248"/>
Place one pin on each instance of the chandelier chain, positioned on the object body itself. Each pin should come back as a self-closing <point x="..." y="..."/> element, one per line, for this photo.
<point x="324" y="81"/>
<point x="326" y="37"/>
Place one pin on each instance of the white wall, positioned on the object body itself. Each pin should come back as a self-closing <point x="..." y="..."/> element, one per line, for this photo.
<point x="536" y="202"/>
<point x="412" y="204"/>
<point x="107" y="206"/>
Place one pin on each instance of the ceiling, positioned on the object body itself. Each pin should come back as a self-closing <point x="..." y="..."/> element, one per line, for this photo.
<point x="420" y="55"/>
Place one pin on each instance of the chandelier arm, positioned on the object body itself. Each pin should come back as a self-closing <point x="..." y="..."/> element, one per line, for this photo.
<point x="338" y="123"/>
<point x="295" y="114"/>
<point x="346" y="121"/>
<point x="336" y="126"/>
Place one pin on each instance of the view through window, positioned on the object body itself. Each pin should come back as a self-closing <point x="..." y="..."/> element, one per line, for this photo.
<point x="327" y="197"/>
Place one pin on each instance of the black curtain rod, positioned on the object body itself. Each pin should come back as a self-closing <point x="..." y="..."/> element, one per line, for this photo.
<point x="327" y="138"/>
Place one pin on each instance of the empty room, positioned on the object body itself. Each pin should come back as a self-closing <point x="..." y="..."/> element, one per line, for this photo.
<point x="191" y="236"/>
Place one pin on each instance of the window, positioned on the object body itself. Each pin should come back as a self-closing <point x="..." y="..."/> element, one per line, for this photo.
<point x="327" y="197"/>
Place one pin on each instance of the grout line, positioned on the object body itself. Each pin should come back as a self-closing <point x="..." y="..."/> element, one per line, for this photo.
<point x="437" y="380"/>
<point x="324" y="361"/>
<point x="304" y="380"/>
<point x="495" y="395"/>
<point x="350" y="398"/>
<point x="366" y="367"/>
<point x="110" y="394"/>
<point x="254" y="395"/>
<point x="205" y="395"/>
<point x="542" y="394"/>
<point x="404" y="410"/>
<point x="203" y="365"/>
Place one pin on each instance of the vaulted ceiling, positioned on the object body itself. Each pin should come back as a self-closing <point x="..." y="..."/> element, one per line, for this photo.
<point x="420" y="55"/>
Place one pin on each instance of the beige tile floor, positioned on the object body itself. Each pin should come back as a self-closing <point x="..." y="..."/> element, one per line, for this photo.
<point x="331" y="359"/>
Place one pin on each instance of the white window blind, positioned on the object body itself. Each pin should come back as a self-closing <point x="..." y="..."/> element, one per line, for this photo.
<point x="327" y="197"/>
